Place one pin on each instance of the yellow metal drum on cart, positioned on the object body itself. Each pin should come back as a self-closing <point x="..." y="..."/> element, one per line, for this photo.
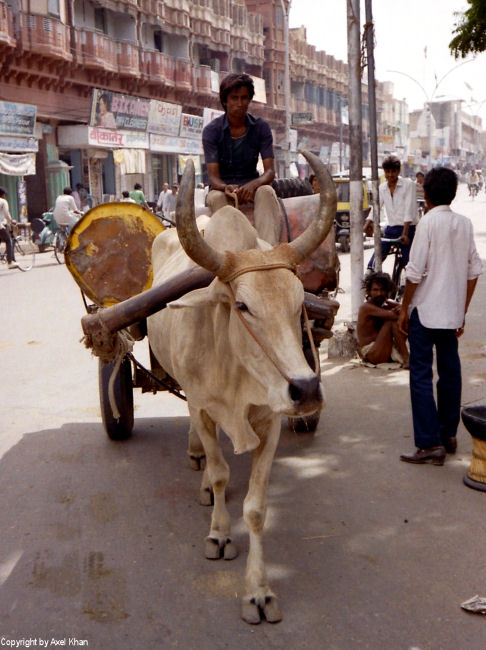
<point x="109" y="252"/>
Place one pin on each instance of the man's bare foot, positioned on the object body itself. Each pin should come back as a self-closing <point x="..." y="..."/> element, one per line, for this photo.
<point x="406" y="365"/>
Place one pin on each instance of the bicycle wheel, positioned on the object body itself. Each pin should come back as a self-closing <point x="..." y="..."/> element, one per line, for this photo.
<point x="24" y="254"/>
<point x="398" y="278"/>
<point x="59" y="245"/>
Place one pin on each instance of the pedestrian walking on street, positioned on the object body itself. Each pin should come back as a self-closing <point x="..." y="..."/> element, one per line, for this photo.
<point x="441" y="277"/>
<point x="138" y="196"/>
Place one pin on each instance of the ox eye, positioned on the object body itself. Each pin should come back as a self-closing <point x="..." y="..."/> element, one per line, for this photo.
<point x="241" y="306"/>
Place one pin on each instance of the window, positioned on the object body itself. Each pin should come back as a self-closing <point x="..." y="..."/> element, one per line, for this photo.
<point x="158" y="42"/>
<point x="100" y="20"/>
<point x="53" y="7"/>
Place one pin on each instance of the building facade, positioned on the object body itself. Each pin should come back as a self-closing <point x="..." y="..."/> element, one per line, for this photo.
<point x="121" y="90"/>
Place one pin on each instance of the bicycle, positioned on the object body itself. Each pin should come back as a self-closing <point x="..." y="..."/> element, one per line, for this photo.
<point x="473" y="190"/>
<point x="24" y="251"/>
<point x="398" y="273"/>
<point x="59" y="243"/>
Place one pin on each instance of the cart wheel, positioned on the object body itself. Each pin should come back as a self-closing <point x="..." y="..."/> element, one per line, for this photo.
<point x="121" y="428"/>
<point x="344" y="241"/>
<point x="306" y="424"/>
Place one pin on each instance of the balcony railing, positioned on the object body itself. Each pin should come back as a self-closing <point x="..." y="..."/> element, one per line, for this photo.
<point x="183" y="76"/>
<point x="159" y="67"/>
<point x="128" y="59"/>
<point x="97" y="50"/>
<point x="6" y="26"/>
<point x="201" y="78"/>
<point x="46" y="36"/>
<point x="152" y="7"/>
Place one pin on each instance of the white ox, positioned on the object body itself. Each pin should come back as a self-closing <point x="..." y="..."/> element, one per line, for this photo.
<point x="232" y="381"/>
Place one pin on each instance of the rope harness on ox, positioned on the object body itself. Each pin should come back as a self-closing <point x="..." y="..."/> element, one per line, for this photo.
<point x="254" y="335"/>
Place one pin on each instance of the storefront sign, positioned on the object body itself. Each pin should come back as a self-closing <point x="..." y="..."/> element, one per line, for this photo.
<point x="191" y="126"/>
<point x="260" y="91"/>
<point x="117" y="139"/>
<point x="17" y="119"/>
<point x="18" y="144"/>
<point x="17" y="165"/>
<point x="210" y="114"/>
<point x="182" y="164"/>
<point x="22" y="200"/>
<point x="115" y="111"/>
<point x="164" y="117"/>
<point x="169" y="144"/>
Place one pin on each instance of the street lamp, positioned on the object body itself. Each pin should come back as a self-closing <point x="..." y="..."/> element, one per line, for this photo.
<point x="429" y="99"/>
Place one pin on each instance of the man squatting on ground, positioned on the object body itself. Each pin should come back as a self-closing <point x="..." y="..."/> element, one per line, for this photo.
<point x="441" y="278"/>
<point x="232" y="144"/>
<point x="378" y="334"/>
<point x="398" y="197"/>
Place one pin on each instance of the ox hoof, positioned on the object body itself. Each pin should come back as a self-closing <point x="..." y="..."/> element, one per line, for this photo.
<point x="206" y="497"/>
<point x="230" y="550"/>
<point x="215" y="549"/>
<point x="197" y="463"/>
<point x="253" y="611"/>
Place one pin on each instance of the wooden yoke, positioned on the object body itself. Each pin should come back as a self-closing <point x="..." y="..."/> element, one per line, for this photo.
<point x="101" y="328"/>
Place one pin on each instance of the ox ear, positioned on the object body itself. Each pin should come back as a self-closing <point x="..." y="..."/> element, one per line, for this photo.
<point x="212" y="295"/>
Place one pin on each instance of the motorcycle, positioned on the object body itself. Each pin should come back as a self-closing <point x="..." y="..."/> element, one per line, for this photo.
<point x="44" y="230"/>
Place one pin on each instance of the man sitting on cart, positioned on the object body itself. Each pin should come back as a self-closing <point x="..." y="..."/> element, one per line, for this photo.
<point x="379" y="338"/>
<point x="232" y="144"/>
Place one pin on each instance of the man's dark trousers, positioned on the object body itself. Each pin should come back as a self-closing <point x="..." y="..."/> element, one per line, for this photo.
<point x="434" y="424"/>
<point x="394" y="232"/>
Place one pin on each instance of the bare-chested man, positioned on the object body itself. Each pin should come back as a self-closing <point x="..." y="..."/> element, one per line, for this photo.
<point x="378" y="333"/>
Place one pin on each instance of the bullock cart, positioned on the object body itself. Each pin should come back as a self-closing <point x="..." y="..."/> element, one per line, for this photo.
<point x="109" y="256"/>
<point x="235" y="345"/>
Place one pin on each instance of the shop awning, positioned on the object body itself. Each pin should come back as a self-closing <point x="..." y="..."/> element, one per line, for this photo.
<point x="17" y="164"/>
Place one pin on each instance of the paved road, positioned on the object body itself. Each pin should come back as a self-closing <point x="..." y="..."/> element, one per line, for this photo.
<point x="103" y="541"/>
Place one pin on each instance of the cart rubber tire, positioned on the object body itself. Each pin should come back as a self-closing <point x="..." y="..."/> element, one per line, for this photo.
<point x="344" y="243"/>
<point x="305" y="424"/>
<point x="120" y="429"/>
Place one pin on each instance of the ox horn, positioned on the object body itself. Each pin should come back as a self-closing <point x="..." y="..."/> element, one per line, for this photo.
<point x="317" y="230"/>
<point x="191" y="241"/>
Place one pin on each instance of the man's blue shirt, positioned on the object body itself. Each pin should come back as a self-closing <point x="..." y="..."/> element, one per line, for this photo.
<point x="218" y="148"/>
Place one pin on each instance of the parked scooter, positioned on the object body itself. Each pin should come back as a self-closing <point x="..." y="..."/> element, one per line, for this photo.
<point x="44" y="230"/>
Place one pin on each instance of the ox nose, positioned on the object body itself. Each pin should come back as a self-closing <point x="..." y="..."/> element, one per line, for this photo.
<point x="305" y="390"/>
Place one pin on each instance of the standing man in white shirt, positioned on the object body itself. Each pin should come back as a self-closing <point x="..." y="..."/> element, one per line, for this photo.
<point x="162" y="195"/>
<point x="169" y="202"/>
<point x="399" y="198"/>
<point x="441" y="277"/>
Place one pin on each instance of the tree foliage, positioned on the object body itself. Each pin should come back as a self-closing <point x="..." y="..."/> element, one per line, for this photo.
<point x="470" y="31"/>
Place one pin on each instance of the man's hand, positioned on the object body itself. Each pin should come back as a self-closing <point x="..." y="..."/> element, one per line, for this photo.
<point x="403" y="322"/>
<point x="247" y="191"/>
<point x="368" y="228"/>
<point x="230" y="190"/>
<point x="405" y="239"/>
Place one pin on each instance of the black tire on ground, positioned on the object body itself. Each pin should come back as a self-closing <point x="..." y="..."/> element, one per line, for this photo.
<point x="59" y="245"/>
<point x="344" y="243"/>
<point x="121" y="428"/>
<point x="399" y="280"/>
<point x="24" y="254"/>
